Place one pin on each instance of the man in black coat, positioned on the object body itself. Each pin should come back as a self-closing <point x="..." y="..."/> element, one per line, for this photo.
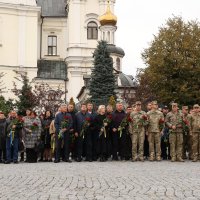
<point x="13" y="133"/>
<point x="83" y="133"/>
<point x="117" y="117"/>
<point x="63" y="133"/>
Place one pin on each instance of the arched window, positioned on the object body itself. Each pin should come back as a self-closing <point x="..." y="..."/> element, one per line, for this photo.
<point x="118" y="64"/>
<point x="108" y="39"/>
<point x="92" y="31"/>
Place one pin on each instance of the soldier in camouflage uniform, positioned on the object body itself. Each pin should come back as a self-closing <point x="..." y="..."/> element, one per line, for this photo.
<point x="174" y="120"/>
<point x="155" y="122"/>
<point x="187" y="138"/>
<point x="195" y="131"/>
<point x="137" y="128"/>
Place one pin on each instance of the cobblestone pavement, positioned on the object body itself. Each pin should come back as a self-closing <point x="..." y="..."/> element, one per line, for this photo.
<point x="96" y="180"/>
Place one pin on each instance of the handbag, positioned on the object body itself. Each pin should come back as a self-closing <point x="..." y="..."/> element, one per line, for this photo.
<point x="39" y="146"/>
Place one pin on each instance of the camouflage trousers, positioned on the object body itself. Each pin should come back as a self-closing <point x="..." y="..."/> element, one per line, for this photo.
<point x="137" y="144"/>
<point x="196" y="145"/>
<point x="154" y="144"/>
<point x="176" y="144"/>
<point x="187" y="146"/>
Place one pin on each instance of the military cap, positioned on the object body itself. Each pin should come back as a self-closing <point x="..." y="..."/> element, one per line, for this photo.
<point x="196" y="106"/>
<point x="138" y="103"/>
<point x="174" y="105"/>
<point x="185" y="107"/>
<point x="154" y="102"/>
<point x="119" y="101"/>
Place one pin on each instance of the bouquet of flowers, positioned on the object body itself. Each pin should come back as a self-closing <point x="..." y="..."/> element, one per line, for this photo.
<point x="64" y="124"/>
<point x="161" y="123"/>
<point x="34" y="126"/>
<point x="18" y="123"/>
<point x="85" y="126"/>
<point x="123" y="124"/>
<point x="106" y="122"/>
<point x="143" y="121"/>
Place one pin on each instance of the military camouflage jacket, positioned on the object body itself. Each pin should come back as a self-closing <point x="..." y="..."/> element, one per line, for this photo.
<point x="195" y="122"/>
<point x="154" y="118"/>
<point x="174" y="119"/>
<point x="139" y="121"/>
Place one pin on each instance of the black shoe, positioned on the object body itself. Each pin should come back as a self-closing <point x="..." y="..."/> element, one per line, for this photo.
<point x="41" y="160"/>
<point x="56" y="161"/>
<point x="50" y="160"/>
<point x="67" y="160"/>
<point x="16" y="162"/>
<point x="78" y="159"/>
<point x="115" y="158"/>
<point x="7" y="162"/>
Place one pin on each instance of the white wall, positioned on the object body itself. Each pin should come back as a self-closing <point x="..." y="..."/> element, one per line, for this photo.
<point x="18" y="41"/>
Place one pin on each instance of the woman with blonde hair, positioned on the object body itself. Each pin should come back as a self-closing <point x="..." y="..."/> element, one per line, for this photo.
<point x="101" y="128"/>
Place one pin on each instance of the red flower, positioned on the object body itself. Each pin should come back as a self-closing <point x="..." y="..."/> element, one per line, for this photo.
<point x="109" y="116"/>
<point x="87" y="119"/>
<point x="129" y="119"/>
<point x="186" y="122"/>
<point x="144" y="117"/>
<point x="35" y="124"/>
<point x="161" y="121"/>
<point x="66" y="117"/>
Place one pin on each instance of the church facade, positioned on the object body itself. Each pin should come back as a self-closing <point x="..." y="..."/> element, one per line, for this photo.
<point x="53" y="41"/>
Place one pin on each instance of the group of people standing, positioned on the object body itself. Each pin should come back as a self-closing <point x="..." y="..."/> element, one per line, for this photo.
<point x="120" y="134"/>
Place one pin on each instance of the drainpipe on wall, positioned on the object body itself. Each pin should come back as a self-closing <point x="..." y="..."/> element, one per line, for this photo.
<point x="41" y="37"/>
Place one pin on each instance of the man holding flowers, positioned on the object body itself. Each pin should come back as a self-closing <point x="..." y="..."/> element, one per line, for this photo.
<point x="63" y="124"/>
<point x="174" y="120"/>
<point x="137" y="130"/>
<point x="14" y="127"/>
<point x="155" y="126"/>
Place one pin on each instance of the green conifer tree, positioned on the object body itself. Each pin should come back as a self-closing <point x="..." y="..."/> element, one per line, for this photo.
<point x="103" y="81"/>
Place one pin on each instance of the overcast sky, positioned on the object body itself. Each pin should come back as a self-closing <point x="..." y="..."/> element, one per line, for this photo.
<point x="138" y="20"/>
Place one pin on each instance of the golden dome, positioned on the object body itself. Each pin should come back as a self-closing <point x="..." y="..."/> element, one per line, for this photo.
<point x="108" y="18"/>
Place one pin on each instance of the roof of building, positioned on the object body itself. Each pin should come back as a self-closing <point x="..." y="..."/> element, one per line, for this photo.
<point x="126" y="80"/>
<point x="114" y="49"/>
<point x="53" y="8"/>
<point x="108" y="18"/>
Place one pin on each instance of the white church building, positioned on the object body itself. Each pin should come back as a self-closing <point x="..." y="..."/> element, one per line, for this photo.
<point x="53" y="41"/>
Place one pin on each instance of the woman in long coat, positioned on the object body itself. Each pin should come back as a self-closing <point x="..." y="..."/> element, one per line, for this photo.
<point x="32" y="137"/>
<point x="46" y="135"/>
<point x="101" y="128"/>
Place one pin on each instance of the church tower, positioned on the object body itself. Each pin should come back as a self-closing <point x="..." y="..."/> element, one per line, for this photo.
<point x="108" y="26"/>
<point x="108" y="22"/>
<point x="83" y="35"/>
